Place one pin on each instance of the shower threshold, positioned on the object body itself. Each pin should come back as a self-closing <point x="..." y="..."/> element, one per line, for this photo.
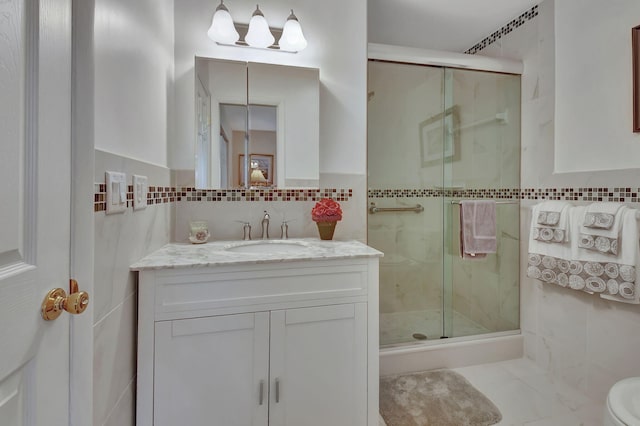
<point x="451" y="353"/>
<point x="423" y="325"/>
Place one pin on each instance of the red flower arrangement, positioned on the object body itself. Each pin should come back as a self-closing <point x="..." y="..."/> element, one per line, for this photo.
<point x="326" y="210"/>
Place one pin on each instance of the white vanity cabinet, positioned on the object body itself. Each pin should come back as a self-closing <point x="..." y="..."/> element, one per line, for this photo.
<point x="292" y="343"/>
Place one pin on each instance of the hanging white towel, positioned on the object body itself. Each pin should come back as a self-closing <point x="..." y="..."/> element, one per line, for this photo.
<point x="600" y="228"/>
<point x="627" y="281"/>
<point x="477" y="228"/>
<point x="548" y="262"/>
<point x="550" y="221"/>
<point x="569" y="265"/>
<point x="601" y="215"/>
<point x="611" y="277"/>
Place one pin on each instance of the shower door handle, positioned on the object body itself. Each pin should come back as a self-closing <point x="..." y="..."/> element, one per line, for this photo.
<point x="277" y="390"/>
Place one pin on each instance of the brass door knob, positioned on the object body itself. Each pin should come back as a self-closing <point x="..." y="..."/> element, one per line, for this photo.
<point x="57" y="301"/>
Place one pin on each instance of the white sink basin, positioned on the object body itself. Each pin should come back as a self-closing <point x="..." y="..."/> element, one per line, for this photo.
<point x="268" y="246"/>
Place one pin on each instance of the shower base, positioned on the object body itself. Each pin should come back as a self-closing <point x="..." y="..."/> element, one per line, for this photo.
<point x="400" y="327"/>
<point x="451" y="353"/>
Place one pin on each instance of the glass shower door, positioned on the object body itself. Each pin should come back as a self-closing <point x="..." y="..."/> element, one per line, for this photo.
<point x="405" y="169"/>
<point x="437" y="136"/>
<point x="482" y="295"/>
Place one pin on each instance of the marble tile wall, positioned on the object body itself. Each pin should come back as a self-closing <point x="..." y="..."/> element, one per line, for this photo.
<point x="588" y="342"/>
<point x="411" y="270"/>
<point x="121" y="239"/>
<point x="487" y="290"/>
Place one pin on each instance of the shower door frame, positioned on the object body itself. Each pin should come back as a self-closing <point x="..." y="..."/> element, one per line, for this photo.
<point x="445" y="60"/>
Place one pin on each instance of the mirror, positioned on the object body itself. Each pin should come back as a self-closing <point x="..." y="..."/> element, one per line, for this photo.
<point x="257" y="125"/>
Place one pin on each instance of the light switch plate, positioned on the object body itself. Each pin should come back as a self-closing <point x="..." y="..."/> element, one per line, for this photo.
<point x="140" y="191"/>
<point x="116" y="192"/>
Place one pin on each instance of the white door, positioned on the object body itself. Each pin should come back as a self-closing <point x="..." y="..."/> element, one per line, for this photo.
<point x="212" y="371"/>
<point x="35" y="107"/>
<point x="317" y="374"/>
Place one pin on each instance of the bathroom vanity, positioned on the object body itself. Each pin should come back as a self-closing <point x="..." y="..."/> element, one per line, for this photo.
<point x="275" y="332"/>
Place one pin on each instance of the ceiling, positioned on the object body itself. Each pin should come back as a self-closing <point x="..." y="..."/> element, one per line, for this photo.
<point x="452" y="25"/>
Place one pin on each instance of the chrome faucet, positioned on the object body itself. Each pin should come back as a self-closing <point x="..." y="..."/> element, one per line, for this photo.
<point x="265" y="225"/>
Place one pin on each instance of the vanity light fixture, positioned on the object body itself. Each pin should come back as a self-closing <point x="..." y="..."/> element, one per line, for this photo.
<point x="222" y="29"/>
<point x="292" y="39"/>
<point x="258" y="33"/>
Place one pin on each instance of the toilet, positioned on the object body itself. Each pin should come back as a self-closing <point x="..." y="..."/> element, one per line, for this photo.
<point x="623" y="403"/>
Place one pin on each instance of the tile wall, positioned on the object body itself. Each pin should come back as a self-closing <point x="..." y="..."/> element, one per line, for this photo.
<point x="121" y="239"/>
<point x="586" y="341"/>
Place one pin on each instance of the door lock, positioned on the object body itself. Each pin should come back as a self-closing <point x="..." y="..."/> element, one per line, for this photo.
<point x="57" y="300"/>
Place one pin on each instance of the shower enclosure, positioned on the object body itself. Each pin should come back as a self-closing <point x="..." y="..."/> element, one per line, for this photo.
<point x="438" y="135"/>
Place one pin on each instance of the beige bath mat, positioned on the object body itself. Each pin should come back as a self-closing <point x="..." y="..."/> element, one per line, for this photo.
<point x="434" y="398"/>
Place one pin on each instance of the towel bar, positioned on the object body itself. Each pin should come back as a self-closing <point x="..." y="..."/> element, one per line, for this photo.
<point x="497" y="202"/>
<point x="373" y="209"/>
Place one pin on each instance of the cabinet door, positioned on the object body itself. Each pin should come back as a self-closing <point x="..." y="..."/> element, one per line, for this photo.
<point x="319" y="366"/>
<point x="209" y="371"/>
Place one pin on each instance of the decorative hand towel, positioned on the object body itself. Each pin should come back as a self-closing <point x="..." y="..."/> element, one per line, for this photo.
<point x="548" y="262"/>
<point x="589" y="271"/>
<point x="594" y="234"/>
<point x="596" y="272"/>
<point x="601" y="215"/>
<point x="623" y="286"/>
<point x="551" y="220"/>
<point x="477" y="228"/>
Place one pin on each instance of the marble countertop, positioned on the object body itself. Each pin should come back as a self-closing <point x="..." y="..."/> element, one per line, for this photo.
<point x="219" y="253"/>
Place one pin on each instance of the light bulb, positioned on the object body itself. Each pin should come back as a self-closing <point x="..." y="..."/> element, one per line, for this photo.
<point x="222" y="29"/>
<point x="292" y="39"/>
<point x="259" y="34"/>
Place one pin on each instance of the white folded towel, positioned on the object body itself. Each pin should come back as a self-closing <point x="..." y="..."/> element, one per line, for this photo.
<point x="600" y="227"/>
<point x="601" y="215"/>
<point x="596" y="272"/>
<point x="627" y="290"/>
<point x="551" y="221"/>
<point x="569" y="265"/>
<point x="548" y="262"/>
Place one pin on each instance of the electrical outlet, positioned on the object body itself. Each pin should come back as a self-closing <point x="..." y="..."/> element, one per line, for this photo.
<point x="116" y="192"/>
<point x="140" y="191"/>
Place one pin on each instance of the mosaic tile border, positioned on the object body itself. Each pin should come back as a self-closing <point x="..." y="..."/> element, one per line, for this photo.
<point x="616" y="194"/>
<point x="163" y="195"/>
<point x="497" y="35"/>
<point x="156" y="195"/>
<point x="192" y="194"/>
<point x="499" y="193"/>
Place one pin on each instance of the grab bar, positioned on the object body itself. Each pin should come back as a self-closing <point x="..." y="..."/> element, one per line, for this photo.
<point x="373" y="209"/>
<point x="497" y="202"/>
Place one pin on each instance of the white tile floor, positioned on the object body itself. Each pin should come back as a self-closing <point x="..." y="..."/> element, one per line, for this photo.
<point x="526" y="395"/>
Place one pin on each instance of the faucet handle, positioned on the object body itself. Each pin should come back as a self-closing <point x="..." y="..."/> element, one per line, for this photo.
<point x="284" y="229"/>
<point x="246" y="230"/>
<point x="265" y="225"/>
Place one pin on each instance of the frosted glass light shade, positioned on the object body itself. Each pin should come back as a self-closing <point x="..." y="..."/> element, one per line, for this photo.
<point x="259" y="34"/>
<point x="292" y="39"/>
<point x="222" y="29"/>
